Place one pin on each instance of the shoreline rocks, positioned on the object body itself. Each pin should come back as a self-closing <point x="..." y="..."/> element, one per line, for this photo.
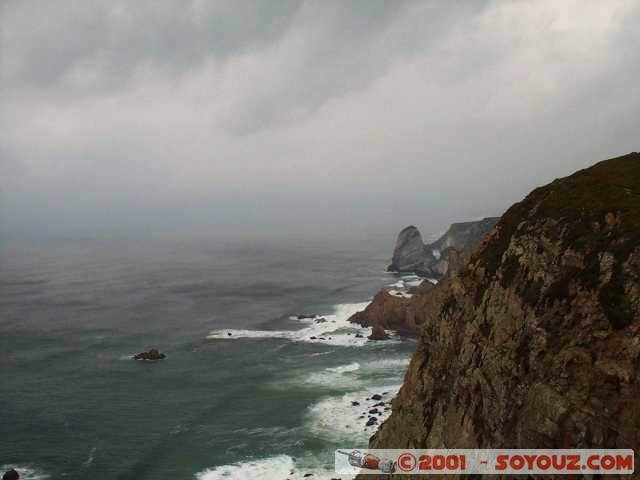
<point x="378" y="333"/>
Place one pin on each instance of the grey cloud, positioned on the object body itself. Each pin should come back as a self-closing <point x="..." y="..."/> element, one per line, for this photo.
<point x="304" y="116"/>
<point x="50" y="39"/>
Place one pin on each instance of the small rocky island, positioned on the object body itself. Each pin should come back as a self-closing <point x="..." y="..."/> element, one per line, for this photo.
<point x="152" y="354"/>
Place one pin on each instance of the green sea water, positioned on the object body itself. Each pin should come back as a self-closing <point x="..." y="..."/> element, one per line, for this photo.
<point x="266" y="401"/>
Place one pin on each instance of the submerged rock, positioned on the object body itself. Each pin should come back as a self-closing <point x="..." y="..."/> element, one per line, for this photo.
<point x="152" y="354"/>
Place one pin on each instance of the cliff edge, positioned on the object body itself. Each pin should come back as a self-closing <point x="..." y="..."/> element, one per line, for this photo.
<point x="535" y="341"/>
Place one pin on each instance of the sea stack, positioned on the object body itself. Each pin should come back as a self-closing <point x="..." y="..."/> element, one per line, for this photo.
<point x="378" y="333"/>
<point x="411" y="255"/>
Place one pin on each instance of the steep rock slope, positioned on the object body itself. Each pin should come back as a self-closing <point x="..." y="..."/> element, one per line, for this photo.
<point x="464" y="235"/>
<point x="536" y="341"/>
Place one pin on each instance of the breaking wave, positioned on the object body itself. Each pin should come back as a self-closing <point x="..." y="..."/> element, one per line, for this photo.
<point x="344" y="418"/>
<point x="333" y="329"/>
<point x="27" y="472"/>
<point x="273" y="468"/>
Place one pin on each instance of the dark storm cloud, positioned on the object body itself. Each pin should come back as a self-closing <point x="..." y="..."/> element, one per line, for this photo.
<point x="298" y="115"/>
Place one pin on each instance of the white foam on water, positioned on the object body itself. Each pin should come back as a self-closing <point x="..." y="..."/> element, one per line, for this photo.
<point x="319" y="354"/>
<point x="335" y="330"/>
<point x="91" y="456"/>
<point x="398" y="284"/>
<point x="352" y="367"/>
<point x="337" y="419"/>
<point x="343" y="376"/>
<point x="399" y="294"/>
<point x="274" y="468"/>
<point x="410" y="278"/>
<point x="26" y="472"/>
<point x="128" y="356"/>
<point x="232" y="334"/>
<point x="388" y="364"/>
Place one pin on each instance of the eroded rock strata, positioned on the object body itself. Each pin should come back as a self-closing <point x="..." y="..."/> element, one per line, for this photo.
<point x="535" y="341"/>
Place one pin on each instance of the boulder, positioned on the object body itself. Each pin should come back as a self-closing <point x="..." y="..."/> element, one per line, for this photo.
<point x="11" y="474"/>
<point x="152" y="354"/>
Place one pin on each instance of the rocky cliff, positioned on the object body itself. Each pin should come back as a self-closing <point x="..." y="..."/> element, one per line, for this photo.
<point x="412" y="255"/>
<point x="535" y="341"/>
<point x="402" y="313"/>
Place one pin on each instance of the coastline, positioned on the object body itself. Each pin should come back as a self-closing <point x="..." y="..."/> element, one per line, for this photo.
<point x="342" y="419"/>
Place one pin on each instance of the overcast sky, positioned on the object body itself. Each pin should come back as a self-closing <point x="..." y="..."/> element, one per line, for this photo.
<point x="306" y="117"/>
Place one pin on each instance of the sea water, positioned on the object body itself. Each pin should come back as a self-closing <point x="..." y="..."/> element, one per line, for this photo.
<point x="247" y="390"/>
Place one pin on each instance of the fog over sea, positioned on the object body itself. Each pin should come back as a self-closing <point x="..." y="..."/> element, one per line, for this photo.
<point x="244" y="392"/>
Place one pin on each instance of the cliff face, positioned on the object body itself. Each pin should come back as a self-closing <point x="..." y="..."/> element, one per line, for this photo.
<point x="464" y="235"/>
<point x="412" y="255"/>
<point x="535" y="342"/>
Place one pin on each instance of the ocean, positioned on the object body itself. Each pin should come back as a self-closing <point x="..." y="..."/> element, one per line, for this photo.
<point x="247" y="389"/>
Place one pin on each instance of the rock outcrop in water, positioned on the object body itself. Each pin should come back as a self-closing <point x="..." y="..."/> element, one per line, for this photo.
<point x="11" y="474"/>
<point x="152" y="354"/>
<point x="391" y="312"/>
<point x="378" y="333"/>
<point x="535" y="342"/>
<point x="432" y="260"/>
